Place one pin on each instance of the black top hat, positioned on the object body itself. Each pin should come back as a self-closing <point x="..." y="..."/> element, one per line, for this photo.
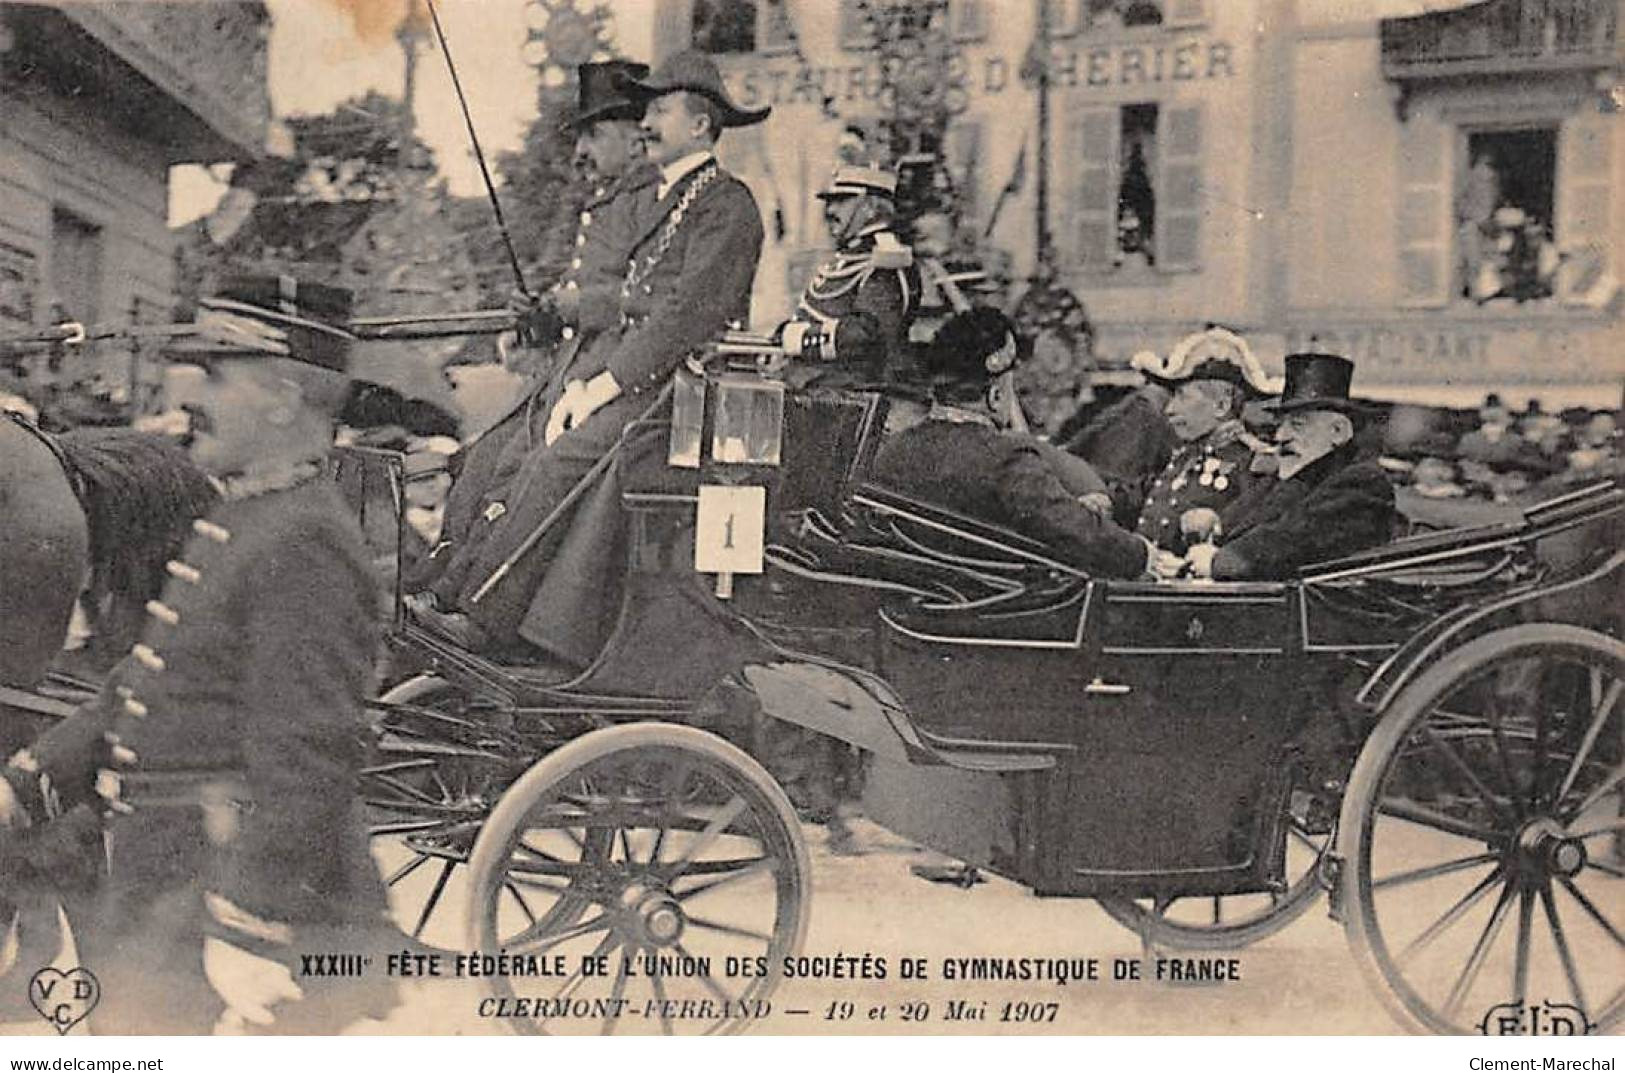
<point x="694" y="72"/>
<point x="1317" y="382"/>
<point x="602" y="93"/>
<point x="273" y="316"/>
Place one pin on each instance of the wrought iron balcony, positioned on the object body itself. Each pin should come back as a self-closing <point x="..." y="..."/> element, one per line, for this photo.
<point x="1502" y="37"/>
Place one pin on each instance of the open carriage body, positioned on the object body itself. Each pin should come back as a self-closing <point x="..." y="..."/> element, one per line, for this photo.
<point x="1204" y="758"/>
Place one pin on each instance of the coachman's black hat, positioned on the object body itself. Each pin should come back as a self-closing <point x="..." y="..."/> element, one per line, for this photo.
<point x="273" y="316"/>
<point x="1317" y="382"/>
<point x="601" y="93"/>
<point x="694" y="72"/>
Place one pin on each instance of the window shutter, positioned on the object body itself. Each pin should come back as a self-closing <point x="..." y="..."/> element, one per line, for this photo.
<point x="1181" y="14"/>
<point x="1179" y="189"/>
<point x="968" y="18"/>
<point x="1585" y="151"/>
<point x="961" y="149"/>
<point x="1424" y="240"/>
<point x="856" y="32"/>
<point x="1092" y="219"/>
<point x="773" y="26"/>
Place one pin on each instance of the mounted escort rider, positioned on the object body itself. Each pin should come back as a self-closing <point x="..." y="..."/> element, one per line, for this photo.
<point x="688" y="277"/>
<point x="582" y="305"/>
<point x="1323" y="502"/>
<point x="861" y="300"/>
<point x="225" y="752"/>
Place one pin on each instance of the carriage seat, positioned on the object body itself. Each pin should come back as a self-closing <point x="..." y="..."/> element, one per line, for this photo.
<point x="950" y="535"/>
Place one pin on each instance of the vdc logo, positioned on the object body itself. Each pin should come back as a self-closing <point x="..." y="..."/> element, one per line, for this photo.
<point x="1546" y="1019"/>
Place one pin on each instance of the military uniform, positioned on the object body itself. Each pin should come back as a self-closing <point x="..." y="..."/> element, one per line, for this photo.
<point x="874" y="274"/>
<point x="229" y="744"/>
<point x="1211" y="473"/>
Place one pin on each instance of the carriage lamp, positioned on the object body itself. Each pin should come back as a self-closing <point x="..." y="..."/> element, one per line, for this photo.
<point x="745" y="413"/>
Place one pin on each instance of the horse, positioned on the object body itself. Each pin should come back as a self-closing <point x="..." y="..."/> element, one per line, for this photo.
<point x="89" y="515"/>
<point x="94" y="512"/>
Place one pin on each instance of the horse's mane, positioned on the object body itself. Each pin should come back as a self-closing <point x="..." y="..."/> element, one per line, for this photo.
<point x="140" y="495"/>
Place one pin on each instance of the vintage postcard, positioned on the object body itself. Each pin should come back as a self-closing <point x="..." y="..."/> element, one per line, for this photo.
<point x="812" y="518"/>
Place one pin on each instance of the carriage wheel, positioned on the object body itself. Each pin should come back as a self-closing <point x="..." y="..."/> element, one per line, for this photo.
<point x="426" y="800"/>
<point x="1232" y="921"/>
<point x="1481" y="835"/>
<point x="662" y="850"/>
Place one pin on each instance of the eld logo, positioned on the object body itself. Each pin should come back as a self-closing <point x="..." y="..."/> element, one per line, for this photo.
<point x="64" y="998"/>
<point x="1546" y="1019"/>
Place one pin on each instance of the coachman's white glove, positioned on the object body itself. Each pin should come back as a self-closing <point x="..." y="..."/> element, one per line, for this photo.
<point x="581" y="399"/>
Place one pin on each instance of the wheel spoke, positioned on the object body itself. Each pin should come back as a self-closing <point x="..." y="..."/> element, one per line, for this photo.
<point x="659" y="988"/>
<point x="524" y="906"/>
<point x="1592" y="733"/>
<point x="1560" y="940"/>
<point x="760" y="864"/>
<point x="660" y="842"/>
<point x="712" y="832"/>
<point x="1481" y="949"/>
<point x="1513" y="787"/>
<point x="1450" y="916"/>
<point x="617" y="990"/>
<point x="1453" y="759"/>
<point x="1439" y="821"/>
<point x="1432" y="871"/>
<point x="1317" y="848"/>
<point x="434" y="899"/>
<point x="541" y="853"/>
<point x="1600" y="791"/>
<point x="729" y="929"/>
<point x="408" y="791"/>
<point x="710" y="984"/>
<point x="626" y="844"/>
<point x="1599" y="829"/>
<point x="406" y="869"/>
<point x="1591" y="910"/>
<point x="1520" y="963"/>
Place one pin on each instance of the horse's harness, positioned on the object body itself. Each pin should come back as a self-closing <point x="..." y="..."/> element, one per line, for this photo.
<point x="68" y="469"/>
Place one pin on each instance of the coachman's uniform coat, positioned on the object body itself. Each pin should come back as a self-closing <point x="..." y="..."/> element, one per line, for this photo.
<point x="230" y="743"/>
<point x="691" y="272"/>
<point x="596" y="266"/>
<point x="1333" y="507"/>
<point x="1003" y="478"/>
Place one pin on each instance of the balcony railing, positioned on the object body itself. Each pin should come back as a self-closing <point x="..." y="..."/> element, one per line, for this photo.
<point x="1502" y="36"/>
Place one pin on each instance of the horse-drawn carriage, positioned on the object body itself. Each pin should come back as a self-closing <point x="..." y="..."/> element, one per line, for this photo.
<point x="1430" y="731"/>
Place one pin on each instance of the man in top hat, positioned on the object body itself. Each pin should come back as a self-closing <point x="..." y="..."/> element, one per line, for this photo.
<point x="863" y="298"/>
<point x="688" y="275"/>
<point x="1210" y="376"/>
<point x="1322" y="502"/>
<point x="224" y="753"/>
<point x="583" y="304"/>
<point x="965" y="458"/>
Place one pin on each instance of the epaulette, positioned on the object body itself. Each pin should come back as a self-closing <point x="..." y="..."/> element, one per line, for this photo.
<point x="890" y="253"/>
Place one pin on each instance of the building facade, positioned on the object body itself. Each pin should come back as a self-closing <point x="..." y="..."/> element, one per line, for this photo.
<point x="1434" y="189"/>
<point x="97" y="102"/>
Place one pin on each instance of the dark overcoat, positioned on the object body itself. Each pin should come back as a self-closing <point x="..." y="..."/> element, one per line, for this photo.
<point x="1335" y="506"/>
<point x="1002" y="478"/>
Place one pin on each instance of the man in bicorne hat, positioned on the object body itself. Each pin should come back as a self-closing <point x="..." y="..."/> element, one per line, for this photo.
<point x="688" y="276"/>
<point x="225" y="751"/>
<point x="861" y="300"/>
<point x="584" y="303"/>
<point x="1322" y="503"/>
<point x="1210" y="377"/>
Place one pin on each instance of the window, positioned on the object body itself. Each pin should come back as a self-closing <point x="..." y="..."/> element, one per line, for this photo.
<point x="1136" y="198"/>
<point x="1098" y="16"/>
<point x="1503" y="216"/>
<point x="722" y="26"/>
<point x="76" y="267"/>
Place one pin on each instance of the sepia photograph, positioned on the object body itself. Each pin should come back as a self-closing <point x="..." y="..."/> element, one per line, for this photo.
<point x="814" y="518"/>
